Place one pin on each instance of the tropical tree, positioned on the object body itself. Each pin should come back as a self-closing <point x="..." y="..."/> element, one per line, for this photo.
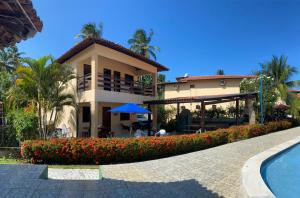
<point x="44" y="82"/>
<point x="140" y="43"/>
<point x="90" y="30"/>
<point x="220" y="72"/>
<point x="270" y="93"/>
<point x="279" y="69"/>
<point x="10" y="58"/>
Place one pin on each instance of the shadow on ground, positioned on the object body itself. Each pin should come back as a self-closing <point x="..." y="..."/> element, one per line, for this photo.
<point x="104" y="188"/>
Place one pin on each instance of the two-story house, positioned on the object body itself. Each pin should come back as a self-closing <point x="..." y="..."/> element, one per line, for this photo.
<point x="195" y="86"/>
<point x="107" y="77"/>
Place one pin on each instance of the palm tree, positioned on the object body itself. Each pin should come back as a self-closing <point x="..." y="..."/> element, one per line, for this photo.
<point x="43" y="81"/>
<point x="140" y="43"/>
<point x="10" y="58"/>
<point x="279" y="69"/>
<point x="90" y="30"/>
<point x="220" y="72"/>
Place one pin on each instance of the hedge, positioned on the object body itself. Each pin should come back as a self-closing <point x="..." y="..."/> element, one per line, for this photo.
<point x="116" y="150"/>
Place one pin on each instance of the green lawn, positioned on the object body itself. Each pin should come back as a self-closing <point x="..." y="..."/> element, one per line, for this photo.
<point x="4" y="160"/>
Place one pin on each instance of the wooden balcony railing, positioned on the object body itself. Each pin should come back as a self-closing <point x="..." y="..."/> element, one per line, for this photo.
<point x="116" y="84"/>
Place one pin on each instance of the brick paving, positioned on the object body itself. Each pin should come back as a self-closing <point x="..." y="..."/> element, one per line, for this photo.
<point x="212" y="173"/>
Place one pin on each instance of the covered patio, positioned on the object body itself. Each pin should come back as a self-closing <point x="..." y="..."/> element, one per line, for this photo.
<point x="204" y="101"/>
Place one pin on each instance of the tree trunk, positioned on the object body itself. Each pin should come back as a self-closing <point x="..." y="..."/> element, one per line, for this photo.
<point x="40" y="119"/>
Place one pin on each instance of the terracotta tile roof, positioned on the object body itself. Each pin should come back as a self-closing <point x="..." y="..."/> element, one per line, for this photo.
<point x="90" y="41"/>
<point x="209" y="98"/>
<point x="18" y="20"/>
<point x="294" y="91"/>
<point x="198" y="78"/>
<point x="193" y="78"/>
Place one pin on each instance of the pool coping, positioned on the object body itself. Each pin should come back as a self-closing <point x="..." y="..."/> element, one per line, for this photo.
<point x="253" y="185"/>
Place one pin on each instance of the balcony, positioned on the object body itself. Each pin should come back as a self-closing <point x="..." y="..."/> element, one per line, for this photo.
<point x="115" y="84"/>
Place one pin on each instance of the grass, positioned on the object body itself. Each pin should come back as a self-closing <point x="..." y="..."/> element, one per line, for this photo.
<point x="4" y="160"/>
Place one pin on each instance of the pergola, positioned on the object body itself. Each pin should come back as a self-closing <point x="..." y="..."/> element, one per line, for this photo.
<point x="18" y="21"/>
<point x="249" y="98"/>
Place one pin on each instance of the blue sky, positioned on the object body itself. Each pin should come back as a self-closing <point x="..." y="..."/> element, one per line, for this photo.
<point x="195" y="36"/>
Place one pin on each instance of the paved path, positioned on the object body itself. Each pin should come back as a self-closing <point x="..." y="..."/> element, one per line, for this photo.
<point x="213" y="173"/>
<point x="209" y="173"/>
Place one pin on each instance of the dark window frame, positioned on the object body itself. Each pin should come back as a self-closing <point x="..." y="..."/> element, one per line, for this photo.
<point x="86" y="114"/>
<point x="117" y="81"/>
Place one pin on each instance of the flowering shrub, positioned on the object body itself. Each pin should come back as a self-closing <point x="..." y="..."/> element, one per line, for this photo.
<point x="115" y="150"/>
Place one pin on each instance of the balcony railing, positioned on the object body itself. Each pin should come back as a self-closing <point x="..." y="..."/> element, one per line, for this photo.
<point x="116" y="84"/>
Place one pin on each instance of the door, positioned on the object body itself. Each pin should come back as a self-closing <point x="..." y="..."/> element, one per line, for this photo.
<point x="107" y="79"/>
<point x="106" y="117"/>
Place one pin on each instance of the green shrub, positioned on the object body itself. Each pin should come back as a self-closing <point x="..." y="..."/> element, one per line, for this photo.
<point x="24" y="124"/>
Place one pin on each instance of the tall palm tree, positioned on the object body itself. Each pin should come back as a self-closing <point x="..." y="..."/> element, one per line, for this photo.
<point x="281" y="71"/>
<point x="90" y="30"/>
<point x="140" y="43"/>
<point x="220" y="72"/>
<point x="43" y="81"/>
<point x="10" y="58"/>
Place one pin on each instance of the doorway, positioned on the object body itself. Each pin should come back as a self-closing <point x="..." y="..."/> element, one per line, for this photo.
<point x="106" y="117"/>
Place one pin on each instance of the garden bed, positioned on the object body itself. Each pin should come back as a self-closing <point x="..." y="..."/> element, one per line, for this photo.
<point x="120" y="150"/>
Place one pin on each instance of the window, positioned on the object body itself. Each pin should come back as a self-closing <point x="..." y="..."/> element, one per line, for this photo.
<point x="87" y="70"/>
<point x="129" y="82"/>
<point x="117" y="81"/>
<point x="192" y="86"/>
<point x="128" y="79"/>
<point x="124" y="116"/>
<point x="222" y="82"/>
<point x="86" y="114"/>
<point x="107" y="79"/>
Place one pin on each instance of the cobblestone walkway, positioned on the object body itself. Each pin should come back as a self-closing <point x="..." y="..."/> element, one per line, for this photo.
<point x="212" y="173"/>
<point x="209" y="173"/>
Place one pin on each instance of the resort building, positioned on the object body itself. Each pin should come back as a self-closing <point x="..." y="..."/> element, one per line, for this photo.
<point x="196" y="86"/>
<point x="107" y="77"/>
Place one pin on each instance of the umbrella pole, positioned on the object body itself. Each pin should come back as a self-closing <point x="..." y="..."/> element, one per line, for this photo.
<point x="149" y="121"/>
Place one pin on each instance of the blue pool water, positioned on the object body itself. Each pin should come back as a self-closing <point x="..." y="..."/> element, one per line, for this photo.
<point x="282" y="173"/>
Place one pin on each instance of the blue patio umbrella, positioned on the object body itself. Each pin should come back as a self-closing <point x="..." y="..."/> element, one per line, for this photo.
<point x="129" y="108"/>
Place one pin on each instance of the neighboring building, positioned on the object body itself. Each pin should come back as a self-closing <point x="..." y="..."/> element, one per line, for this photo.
<point x="295" y="91"/>
<point x="18" y="20"/>
<point x="190" y="86"/>
<point x="107" y="77"/>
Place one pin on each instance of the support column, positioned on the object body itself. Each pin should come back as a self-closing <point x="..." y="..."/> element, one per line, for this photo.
<point x="94" y="118"/>
<point x="154" y="116"/>
<point x="237" y="111"/>
<point x="149" y="121"/>
<point x="154" y="84"/>
<point x="202" y="116"/>
<point x="178" y="110"/>
<point x="250" y="110"/>
<point x="95" y="71"/>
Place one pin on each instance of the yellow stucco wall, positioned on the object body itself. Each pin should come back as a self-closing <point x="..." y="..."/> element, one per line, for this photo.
<point x="202" y="88"/>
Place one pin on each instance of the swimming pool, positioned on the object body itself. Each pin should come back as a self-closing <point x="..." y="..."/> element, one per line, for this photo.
<point x="281" y="173"/>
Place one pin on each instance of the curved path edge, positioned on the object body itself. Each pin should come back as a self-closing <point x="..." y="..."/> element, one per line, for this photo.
<point x="253" y="185"/>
